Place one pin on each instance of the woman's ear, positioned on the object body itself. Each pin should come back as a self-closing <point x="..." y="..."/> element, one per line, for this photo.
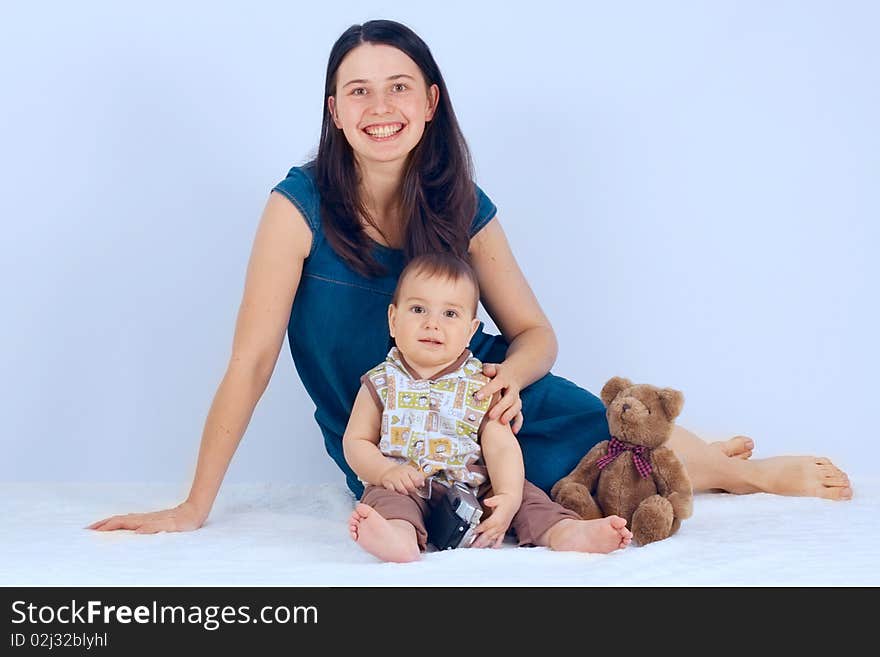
<point x="433" y="100"/>
<point x="331" y="107"/>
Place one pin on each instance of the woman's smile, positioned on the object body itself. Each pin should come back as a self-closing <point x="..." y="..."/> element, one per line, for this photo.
<point x="384" y="132"/>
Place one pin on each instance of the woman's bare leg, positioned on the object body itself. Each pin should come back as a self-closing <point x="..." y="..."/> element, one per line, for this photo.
<point x="712" y="469"/>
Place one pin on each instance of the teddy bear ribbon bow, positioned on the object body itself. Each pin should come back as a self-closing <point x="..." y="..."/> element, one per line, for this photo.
<point x="640" y="456"/>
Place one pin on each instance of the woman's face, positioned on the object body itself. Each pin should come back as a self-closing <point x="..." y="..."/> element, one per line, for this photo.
<point x="382" y="103"/>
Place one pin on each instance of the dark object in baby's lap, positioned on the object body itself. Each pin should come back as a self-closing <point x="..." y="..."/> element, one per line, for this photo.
<point x="451" y="523"/>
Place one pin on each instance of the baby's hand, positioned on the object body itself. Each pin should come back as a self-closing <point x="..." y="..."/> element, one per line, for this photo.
<point x="490" y="532"/>
<point x="402" y="478"/>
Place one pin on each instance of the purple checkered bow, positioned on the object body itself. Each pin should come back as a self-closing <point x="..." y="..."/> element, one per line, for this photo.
<point x="640" y="456"/>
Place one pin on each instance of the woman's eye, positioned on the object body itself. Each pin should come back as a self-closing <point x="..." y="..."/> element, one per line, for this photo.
<point x="357" y="91"/>
<point x="399" y="87"/>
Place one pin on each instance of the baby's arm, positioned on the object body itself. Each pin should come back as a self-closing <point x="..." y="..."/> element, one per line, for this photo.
<point x="504" y="460"/>
<point x="360" y="444"/>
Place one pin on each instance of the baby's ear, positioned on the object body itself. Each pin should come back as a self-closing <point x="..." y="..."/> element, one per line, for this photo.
<point x="671" y="401"/>
<point x="392" y="311"/>
<point x="615" y="385"/>
<point x="475" y="324"/>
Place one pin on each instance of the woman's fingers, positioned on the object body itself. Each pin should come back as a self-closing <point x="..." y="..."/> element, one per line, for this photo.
<point x="493" y="386"/>
<point x="504" y="405"/>
<point x="512" y="412"/>
<point x="119" y="522"/>
<point x="488" y="390"/>
<point x="517" y="424"/>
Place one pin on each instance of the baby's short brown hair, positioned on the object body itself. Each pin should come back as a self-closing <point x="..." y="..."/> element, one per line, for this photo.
<point x="449" y="266"/>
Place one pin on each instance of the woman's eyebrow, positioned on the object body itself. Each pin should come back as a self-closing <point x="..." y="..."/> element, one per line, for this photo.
<point x="392" y="77"/>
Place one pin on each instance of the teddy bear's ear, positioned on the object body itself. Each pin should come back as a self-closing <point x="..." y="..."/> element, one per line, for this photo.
<point x="672" y="401"/>
<point x="615" y="385"/>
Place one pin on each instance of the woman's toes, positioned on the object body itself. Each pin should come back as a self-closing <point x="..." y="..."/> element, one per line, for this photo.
<point x="831" y="473"/>
<point x="836" y="492"/>
<point x="835" y="479"/>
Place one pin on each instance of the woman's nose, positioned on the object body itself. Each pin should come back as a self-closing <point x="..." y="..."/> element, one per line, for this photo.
<point x="381" y="106"/>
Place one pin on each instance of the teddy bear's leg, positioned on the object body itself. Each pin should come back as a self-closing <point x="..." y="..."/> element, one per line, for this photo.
<point x="577" y="497"/>
<point x="652" y="520"/>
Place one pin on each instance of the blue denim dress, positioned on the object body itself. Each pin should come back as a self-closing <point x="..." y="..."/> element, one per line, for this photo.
<point x="338" y="330"/>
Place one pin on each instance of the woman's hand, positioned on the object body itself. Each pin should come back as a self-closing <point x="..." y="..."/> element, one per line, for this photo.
<point x="182" y="518"/>
<point x="509" y="407"/>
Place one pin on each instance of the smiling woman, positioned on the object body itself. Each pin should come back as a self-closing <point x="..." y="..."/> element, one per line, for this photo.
<point x="390" y="111"/>
<point x="393" y="180"/>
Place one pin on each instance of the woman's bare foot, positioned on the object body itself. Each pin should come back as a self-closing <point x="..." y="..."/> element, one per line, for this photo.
<point x="389" y="540"/>
<point x="738" y="447"/>
<point x="600" y="536"/>
<point x="808" y="476"/>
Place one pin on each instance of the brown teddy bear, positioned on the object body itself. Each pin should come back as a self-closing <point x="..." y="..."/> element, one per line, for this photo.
<point x="633" y="475"/>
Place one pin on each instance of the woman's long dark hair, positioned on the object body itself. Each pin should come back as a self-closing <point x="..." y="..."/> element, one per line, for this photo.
<point x="438" y="198"/>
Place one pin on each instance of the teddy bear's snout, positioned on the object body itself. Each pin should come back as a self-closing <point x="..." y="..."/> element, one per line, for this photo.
<point x="626" y="407"/>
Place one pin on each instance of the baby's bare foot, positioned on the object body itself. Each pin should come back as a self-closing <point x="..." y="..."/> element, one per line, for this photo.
<point x="600" y="536"/>
<point x="393" y="540"/>
<point x="809" y="476"/>
<point x="738" y="447"/>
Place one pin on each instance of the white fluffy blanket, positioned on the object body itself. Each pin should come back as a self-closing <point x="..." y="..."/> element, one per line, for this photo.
<point x="289" y="535"/>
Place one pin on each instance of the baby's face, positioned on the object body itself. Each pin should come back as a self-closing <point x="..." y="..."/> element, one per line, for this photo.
<point x="433" y="321"/>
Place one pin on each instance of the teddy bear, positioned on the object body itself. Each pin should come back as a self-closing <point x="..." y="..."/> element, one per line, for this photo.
<point x="633" y="475"/>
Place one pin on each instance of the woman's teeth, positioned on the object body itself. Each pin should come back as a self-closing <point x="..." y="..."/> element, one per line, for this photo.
<point x="384" y="131"/>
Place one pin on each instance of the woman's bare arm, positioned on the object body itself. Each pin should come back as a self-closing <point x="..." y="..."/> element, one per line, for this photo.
<point x="281" y="245"/>
<point x="509" y="300"/>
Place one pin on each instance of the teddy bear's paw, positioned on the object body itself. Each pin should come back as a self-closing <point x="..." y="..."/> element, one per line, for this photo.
<point x="576" y="497"/>
<point x="652" y="520"/>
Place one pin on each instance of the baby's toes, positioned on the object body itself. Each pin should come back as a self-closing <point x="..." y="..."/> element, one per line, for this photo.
<point x="617" y="522"/>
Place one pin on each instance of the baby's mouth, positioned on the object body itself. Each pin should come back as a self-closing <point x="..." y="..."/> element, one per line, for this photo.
<point x="429" y="341"/>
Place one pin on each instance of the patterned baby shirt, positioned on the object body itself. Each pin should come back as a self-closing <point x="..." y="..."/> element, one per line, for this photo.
<point x="434" y="424"/>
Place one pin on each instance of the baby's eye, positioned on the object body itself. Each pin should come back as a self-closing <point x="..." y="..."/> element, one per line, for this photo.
<point x="417" y="309"/>
<point x="451" y="313"/>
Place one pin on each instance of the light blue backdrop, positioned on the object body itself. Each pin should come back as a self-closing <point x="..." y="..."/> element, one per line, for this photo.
<point x="690" y="187"/>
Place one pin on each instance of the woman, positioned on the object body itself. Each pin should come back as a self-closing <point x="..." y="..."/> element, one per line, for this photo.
<point x="392" y="179"/>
